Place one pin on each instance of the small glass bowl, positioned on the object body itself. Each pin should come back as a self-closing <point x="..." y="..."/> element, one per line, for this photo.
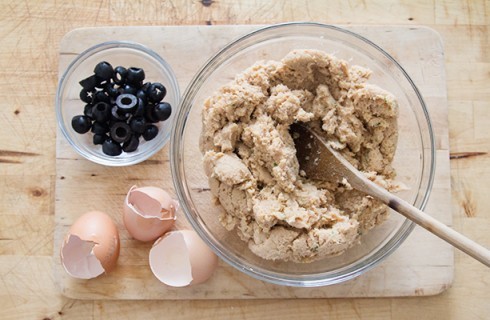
<point x="117" y="53"/>
<point x="414" y="159"/>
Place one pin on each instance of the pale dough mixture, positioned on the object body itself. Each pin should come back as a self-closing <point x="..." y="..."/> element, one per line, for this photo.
<point x="250" y="158"/>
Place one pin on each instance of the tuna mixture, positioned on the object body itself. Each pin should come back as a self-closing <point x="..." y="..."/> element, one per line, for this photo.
<point x="250" y="158"/>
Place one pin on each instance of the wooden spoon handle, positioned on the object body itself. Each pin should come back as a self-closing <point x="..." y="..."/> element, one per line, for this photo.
<point x="424" y="220"/>
<point x="327" y="164"/>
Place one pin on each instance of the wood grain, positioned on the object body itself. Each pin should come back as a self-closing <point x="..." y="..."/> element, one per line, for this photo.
<point x="31" y="32"/>
<point x="106" y="187"/>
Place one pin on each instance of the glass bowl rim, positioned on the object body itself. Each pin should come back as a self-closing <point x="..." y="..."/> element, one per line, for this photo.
<point x="87" y="53"/>
<point x="345" y="273"/>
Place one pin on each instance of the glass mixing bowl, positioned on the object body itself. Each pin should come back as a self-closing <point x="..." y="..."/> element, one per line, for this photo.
<point x="414" y="159"/>
<point x="117" y="53"/>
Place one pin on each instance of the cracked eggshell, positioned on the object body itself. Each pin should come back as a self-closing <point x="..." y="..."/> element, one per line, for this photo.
<point x="180" y="258"/>
<point x="148" y="212"/>
<point x="91" y="246"/>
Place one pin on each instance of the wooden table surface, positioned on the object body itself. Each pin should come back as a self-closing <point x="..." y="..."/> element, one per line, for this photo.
<point x="30" y="33"/>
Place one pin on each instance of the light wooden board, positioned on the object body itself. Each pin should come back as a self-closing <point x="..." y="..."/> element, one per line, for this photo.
<point x="423" y="265"/>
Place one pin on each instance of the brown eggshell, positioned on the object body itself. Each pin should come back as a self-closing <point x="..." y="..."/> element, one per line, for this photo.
<point x="148" y="212"/>
<point x="203" y="260"/>
<point x="94" y="232"/>
<point x="180" y="258"/>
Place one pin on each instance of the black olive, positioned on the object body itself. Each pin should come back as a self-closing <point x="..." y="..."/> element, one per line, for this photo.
<point x="120" y="132"/>
<point x="111" y="148"/>
<point x="87" y="110"/>
<point x="120" y="108"/>
<point x="135" y="76"/>
<point x="126" y="102"/>
<point x="140" y="109"/>
<point x="81" y="124"/>
<point x="86" y="95"/>
<point x="141" y="94"/>
<point x="101" y="84"/>
<point x="101" y="96"/>
<point x="145" y="86"/>
<point x="127" y="88"/>
<point x="111" y="122"/>
<point x="119" y="115"/>
<point x="150" y="114"/>
<point x="100" y="127"/>
<point x="156" y="92"/>
<point x="104" y="71"/>
<point x="131" y="145"/>
<point x="151" y="132"/>
<point x="101" y="111"/>
<point x="137" y="124"/>
<point x="89" y="83"/>
<point x="120" y="74"/>
<point x="163" y="111"/>
<point x="100" y="138"/>
<point x="111" y="90"/>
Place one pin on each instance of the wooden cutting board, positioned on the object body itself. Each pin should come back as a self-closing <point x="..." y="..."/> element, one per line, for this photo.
<point x="423" y="265"/>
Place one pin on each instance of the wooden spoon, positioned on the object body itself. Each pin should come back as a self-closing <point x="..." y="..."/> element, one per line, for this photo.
<point x="321" y="162"/>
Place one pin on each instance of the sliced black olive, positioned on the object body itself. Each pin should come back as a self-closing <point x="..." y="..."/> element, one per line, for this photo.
<point x="120" y="132"/>
<point x="145" y="86"/>
<point x="81" y="124"/>
<point x="135" y="76"/>
<point x="126" y="102"/>
<point x="156" y="92"/>
<point x="150" y="133"/>
<point x="150" y="114"/>
<point x="100" y="138"/>
<point x="163" y="111"/>
<point x="131" y="145"/>
<point x="120" y="74"/>
<point x="138" y="124"/>
<point x="140" y="109"/>
<point x="119" y="115"/>
<point x="101" y="96"/>
<point x="111" y="122"/>
<point x="104" y="71"/>
<point x="111" y="90"/>
<point x="100" y="127"/>
<point x="87" y="110"/>
<point x="86" y="95"/>
<point x="120" y="107"/>
<point x="111" y="148"/>
<point x="127" y="88"/>
<point x="101" y="84"/>
<point x="101" y="111"/>
<point x="141" y="94"/>
<point x="89" y="83"/>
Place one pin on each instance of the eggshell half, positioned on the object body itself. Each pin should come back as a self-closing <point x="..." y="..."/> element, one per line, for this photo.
<point x="91" y="246"/>
<point x="148" y="212"/>
<point x="180" y="258"/>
